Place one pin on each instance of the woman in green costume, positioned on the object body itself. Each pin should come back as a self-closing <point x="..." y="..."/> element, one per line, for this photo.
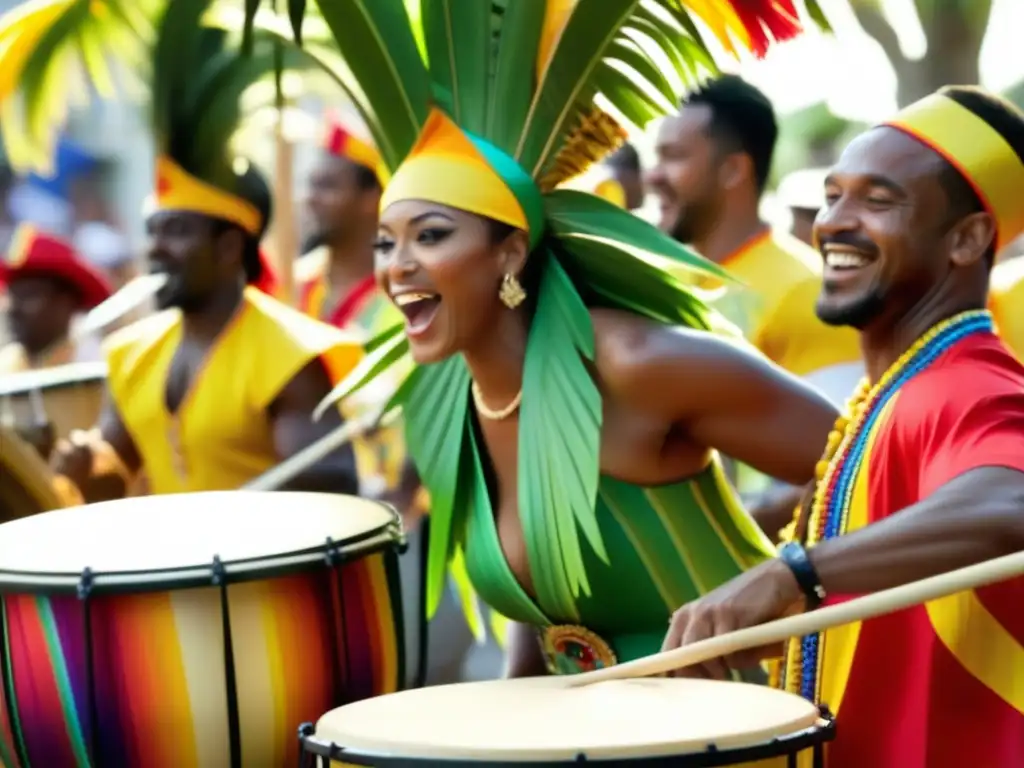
<point x="569" y="394"/>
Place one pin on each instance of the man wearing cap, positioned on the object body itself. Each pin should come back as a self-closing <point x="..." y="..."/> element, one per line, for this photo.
<point x="47" y="285"/>
<point x="220" y="385"/>
<point x="925" y="473"/>
<point x="802" y="192"/>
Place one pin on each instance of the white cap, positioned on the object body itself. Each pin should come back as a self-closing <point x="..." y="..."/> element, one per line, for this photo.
<point x="804" y="189"/>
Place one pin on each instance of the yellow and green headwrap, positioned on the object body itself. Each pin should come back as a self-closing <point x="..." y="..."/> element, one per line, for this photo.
<point x="453" y="167"/>
<point x="982" y="156"/>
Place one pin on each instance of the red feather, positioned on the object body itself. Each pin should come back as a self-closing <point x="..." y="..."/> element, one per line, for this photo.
<point x="767" y="21"/>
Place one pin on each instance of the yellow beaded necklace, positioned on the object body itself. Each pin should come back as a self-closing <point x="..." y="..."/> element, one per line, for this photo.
<point x="830" y="505"/>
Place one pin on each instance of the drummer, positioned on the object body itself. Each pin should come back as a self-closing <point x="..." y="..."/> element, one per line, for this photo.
<point x="926" y="473"/>
<point x="220" y="385"/>
<point x="48" y="284"/>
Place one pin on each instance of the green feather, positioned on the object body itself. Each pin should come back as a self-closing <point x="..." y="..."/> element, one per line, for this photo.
<point x="377" y="43"/>
<point x="512" y="88"/>
<point x="559" y="443"/>
<point x="577" y="213"/>
<point x="435" y="410"/>
<point x="567" y="85"/>
<point x="457" y="35"/>
<point x="389" y="348"/>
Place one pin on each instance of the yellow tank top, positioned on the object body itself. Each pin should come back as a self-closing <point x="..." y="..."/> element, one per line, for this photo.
<point x="220" y="437"/>
<point x="1006" y="300"/>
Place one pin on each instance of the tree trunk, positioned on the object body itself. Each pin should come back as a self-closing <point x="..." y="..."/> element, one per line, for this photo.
<point x="954" y="30"/>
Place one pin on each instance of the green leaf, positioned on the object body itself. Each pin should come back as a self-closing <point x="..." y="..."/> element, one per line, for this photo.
<point x="818" y="15"/>
<point x="578" y="213"/>
<point x="296" y="13"/>
<point x="559" y="444"/>
<point x="435" y="412"/>
<point x="388" y="348"/>
<point x="376" y="41"/>
<point x="457" y="35"/>
<point x="555" y="108"/>
<point x="634" y="105"/>
<point x="634" y="57"/>
<point x="512" y="88"/>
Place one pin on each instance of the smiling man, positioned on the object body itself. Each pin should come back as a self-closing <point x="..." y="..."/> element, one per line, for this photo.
<point x="220" y="385"/>
<point x="926" y="474"/>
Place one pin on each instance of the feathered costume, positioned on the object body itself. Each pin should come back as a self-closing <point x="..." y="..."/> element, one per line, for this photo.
<point x="441" y="85"/>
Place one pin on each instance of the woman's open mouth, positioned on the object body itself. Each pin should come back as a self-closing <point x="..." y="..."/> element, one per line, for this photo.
<point x="419" y="308"/>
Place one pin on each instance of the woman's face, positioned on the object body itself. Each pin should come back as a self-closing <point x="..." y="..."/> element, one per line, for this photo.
<point x="442" y="269"/>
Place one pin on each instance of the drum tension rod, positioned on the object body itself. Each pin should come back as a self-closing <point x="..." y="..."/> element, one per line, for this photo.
<point x="330" y="554"/>
<point x="85" y="584"/>
<point x="219" y="573"/>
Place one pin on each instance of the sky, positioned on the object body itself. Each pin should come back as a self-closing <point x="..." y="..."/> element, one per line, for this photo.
<point x="851" y="73"/>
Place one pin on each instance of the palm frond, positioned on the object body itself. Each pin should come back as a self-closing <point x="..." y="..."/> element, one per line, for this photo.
<point x="47" y="47"/>
<point x="458" y="43"/>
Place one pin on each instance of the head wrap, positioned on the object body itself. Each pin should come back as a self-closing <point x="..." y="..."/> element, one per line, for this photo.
<point x="35" y="253"/>
<point x="977" y="151"/>
<point x="341" y="139"/>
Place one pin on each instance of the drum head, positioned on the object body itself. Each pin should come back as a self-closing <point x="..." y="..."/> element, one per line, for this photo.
<point x="179" y="531"/>
<point x="544" y="719"/>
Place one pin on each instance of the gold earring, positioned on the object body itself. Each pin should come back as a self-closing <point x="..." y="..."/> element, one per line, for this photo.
<point x="511" y="292"/>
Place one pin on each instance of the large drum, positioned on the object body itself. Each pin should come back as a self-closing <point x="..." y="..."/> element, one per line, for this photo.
<point x="67" y="396"/>
<point x="26" y="482"/>
<point x="669" y="722"/>
<point x="192" y="629"/>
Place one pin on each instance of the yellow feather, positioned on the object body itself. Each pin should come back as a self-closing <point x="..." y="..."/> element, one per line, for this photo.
<point x="556" y="16"/>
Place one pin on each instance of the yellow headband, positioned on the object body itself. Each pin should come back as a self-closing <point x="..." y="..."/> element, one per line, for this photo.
<point x="177" y="190"/>
<point x="445" y="166"/>
<point x="977" y="151"/>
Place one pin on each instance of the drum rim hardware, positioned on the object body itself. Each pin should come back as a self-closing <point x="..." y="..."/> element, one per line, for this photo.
<point x="349" y="549"/>
<point x="315" y="753"/>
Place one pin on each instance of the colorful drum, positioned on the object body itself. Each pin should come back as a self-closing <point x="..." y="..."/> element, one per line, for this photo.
<point x="543" y="721"/>
<point x="192" y="629"/>
<point x="67" y="397"/>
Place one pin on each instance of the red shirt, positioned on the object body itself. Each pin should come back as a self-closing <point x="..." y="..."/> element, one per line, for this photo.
<point x="940" y="686"/>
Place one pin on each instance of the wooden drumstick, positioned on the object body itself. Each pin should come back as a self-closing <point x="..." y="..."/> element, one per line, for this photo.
<point x="277" y="476"/>
<point x="130" y="296"/>
<point x="858" y="609"/>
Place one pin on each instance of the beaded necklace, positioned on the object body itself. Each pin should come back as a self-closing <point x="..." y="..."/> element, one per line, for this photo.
<point x="840" y="466"/>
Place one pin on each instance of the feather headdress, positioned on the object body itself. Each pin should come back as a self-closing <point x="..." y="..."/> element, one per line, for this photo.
<point x="499" y="100"/>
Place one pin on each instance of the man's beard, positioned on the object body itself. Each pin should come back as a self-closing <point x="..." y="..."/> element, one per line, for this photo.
<point x="857" y="314"/>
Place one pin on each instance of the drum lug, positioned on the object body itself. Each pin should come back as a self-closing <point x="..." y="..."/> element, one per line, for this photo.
<point x="330" y="553"/>
<point x="219" y="575"/>
<point x="85" y="582"/>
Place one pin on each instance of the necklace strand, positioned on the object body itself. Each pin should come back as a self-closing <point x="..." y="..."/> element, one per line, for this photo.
<point x="495" y="415"/>
<point x="839" y="467"/>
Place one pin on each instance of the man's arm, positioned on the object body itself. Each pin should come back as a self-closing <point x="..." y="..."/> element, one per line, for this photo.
<point x="101" y="462"/>
<point x="294" y="429"/>
<point x="723" y="394"/>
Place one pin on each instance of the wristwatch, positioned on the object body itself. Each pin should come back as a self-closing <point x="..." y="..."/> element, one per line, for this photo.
<point x="795" y="556"/>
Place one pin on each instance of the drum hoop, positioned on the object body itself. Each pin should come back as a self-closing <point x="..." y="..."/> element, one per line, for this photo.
<point x="814" y="737"/>
<point x="52" y="378"/>
<point x="329" y="554"/>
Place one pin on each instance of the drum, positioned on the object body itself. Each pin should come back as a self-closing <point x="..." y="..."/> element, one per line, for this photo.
<point x="67" y="396"/>
<point x="193" y="629"/>
<point x="543" y="721"/>
<point x="26" y="486"/>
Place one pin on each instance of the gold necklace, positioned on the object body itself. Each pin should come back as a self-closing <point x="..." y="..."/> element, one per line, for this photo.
<point x="487" y="413"/>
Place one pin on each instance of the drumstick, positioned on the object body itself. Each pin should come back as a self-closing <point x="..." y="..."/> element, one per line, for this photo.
<point x="812" y="622"/>
<point x="130" y="296"/>
<point x="277" y="476"/>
